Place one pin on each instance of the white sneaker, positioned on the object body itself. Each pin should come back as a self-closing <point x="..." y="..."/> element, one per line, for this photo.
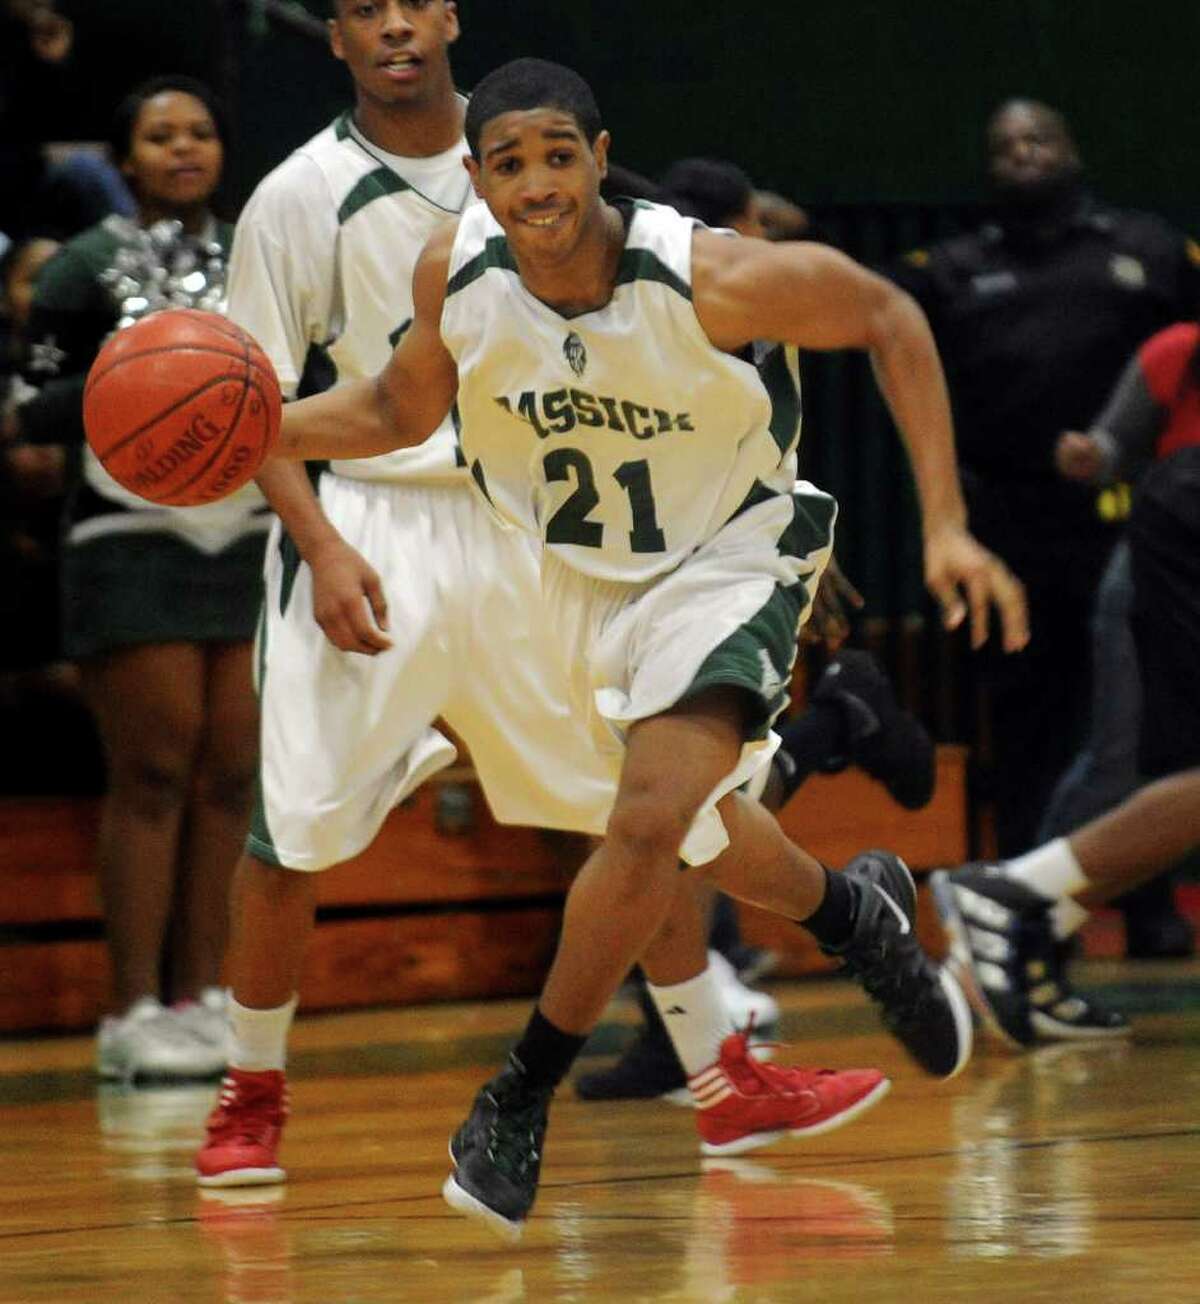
<point x="743" y="1002"/>
<point x="148" y="1041"/>
<point x="207" y="1018"/>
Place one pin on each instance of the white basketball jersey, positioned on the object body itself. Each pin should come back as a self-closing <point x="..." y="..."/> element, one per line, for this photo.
<point x="323" y="255"/>
<point x="621" y="436"/>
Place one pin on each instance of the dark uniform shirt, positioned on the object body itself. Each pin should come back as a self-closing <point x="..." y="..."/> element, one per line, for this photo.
<point x="1034" y="330"/>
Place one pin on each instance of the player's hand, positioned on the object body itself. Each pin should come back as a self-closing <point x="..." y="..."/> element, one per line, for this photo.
<point x="968" y="580"/>
<point x="829" y="622"/>
<point x="1078" y="457"/>
<point x="348" y="600"/>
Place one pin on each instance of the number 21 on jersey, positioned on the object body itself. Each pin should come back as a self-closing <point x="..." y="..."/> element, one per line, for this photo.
<point x="572" y="522"/>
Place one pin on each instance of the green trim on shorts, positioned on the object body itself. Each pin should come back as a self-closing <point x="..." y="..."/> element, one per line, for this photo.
<point x="290" y="556"/>
<point x="756" y="657"/>
<point x="811" y="527"/>
<point x="259" y="842"/>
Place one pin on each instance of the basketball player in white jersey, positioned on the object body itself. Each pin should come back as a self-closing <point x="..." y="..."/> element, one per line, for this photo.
<point x="423" y="604"/>
<point x="613" y="401"/>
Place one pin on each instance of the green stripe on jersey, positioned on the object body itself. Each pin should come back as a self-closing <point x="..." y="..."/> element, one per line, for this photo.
<point x="642" y="265"/>
<point x="375" y="185"/>
<point x="784" y="394"/>
<point x="496" y="253"/>
<point x="635" y="265"/>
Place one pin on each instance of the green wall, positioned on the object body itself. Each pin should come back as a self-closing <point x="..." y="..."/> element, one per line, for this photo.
<point x="846" y="101"/>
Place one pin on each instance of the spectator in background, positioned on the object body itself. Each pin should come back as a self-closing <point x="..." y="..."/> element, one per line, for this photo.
<point x="717" y="192"/>
<point x="780" y="218"/>
<point x="35" y="48"/>
<point x="31" y="484"/>
<point x="77" y="191"/>
<point x="1003" y="919"/>
<point x="42" y="196"/>
<point x="1153" y="412"/>
<point x="159" y="603"/>
<point x="39" y="693"/>
<point x="1034" y="314"/>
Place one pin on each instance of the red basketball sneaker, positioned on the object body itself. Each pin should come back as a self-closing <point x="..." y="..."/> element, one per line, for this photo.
<point x="243" y="1131"/>
<point x="743" y="1103"/>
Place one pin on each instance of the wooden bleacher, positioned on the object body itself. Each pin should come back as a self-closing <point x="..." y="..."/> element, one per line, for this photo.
<point x="423" y="914"/>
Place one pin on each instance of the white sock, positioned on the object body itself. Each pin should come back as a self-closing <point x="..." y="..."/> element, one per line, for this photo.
<point x="1066" y="917"/>
<point x="695" y="1017"/>
<point x="260" y="1036"/>
<point x="1051" y="870"/>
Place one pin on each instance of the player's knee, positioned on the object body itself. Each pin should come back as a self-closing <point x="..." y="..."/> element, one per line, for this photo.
<point x="227" y="788"/>
<point x="152" y="788"/>
<point x="646" y="831"/>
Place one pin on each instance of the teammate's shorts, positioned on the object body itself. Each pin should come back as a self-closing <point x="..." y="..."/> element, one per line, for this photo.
<point x="345" y="737"/>
<point x="728" y="616"/>
<point x="1164" y="545"/>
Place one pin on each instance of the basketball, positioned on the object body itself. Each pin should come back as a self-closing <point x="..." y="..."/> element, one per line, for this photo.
<point x="182" y="407"/>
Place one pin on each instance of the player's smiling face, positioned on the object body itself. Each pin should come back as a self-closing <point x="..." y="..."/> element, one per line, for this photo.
<point x="396" y="50"/>
<point x="175" y="154"/>
<point x="540" y="178"/>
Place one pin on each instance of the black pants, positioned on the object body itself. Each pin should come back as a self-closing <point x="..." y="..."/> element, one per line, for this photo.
<point x="1038" y="701"/>
<point x="1164" y="541"/>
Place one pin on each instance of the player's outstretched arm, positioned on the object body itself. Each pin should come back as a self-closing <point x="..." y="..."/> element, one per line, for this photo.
<point x="816" y="298"/>
<point x="401" y="406"/>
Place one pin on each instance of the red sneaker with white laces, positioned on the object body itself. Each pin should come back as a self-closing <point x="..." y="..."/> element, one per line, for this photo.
<point x="743" y="1103"/>
<point x="242" y="1134"/>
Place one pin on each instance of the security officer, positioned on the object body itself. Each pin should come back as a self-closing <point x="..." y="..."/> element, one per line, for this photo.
<point x="1035" y="315"/>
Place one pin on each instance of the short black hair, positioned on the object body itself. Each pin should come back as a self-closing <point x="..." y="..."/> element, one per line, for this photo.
<point x="531" y="84"/>
<point x="711" y="189"/>
<point x="120" y="134"/>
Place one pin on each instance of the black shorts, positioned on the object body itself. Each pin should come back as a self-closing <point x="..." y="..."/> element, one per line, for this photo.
<point x="1164" y="541"/>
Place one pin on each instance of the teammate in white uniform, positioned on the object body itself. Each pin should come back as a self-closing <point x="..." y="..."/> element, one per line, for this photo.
<point x="323" y="257"/>
<point x="659" y="492"/>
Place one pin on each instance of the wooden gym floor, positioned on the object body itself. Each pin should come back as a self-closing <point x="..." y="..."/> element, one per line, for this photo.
<point x="1068" y="1173"/>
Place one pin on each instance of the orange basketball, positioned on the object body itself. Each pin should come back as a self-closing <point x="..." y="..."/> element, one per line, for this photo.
<point x="182" y="407"/>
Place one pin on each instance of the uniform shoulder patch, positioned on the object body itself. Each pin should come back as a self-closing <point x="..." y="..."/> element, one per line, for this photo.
<point x="1193" y="251"/>
<point x="917" y="257"/>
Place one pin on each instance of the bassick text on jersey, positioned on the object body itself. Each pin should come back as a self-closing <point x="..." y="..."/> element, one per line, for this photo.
<point x="558" y="411"/>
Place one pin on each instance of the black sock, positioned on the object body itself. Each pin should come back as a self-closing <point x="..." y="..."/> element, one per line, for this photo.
<point x="832" y="922"/>
<point x="545" y="1053"/>
<point x="815" y="740"/>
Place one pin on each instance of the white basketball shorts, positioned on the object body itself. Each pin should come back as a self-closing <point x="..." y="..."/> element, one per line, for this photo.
<point x="345" y="737"/>
<point x="728" y="615"/>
